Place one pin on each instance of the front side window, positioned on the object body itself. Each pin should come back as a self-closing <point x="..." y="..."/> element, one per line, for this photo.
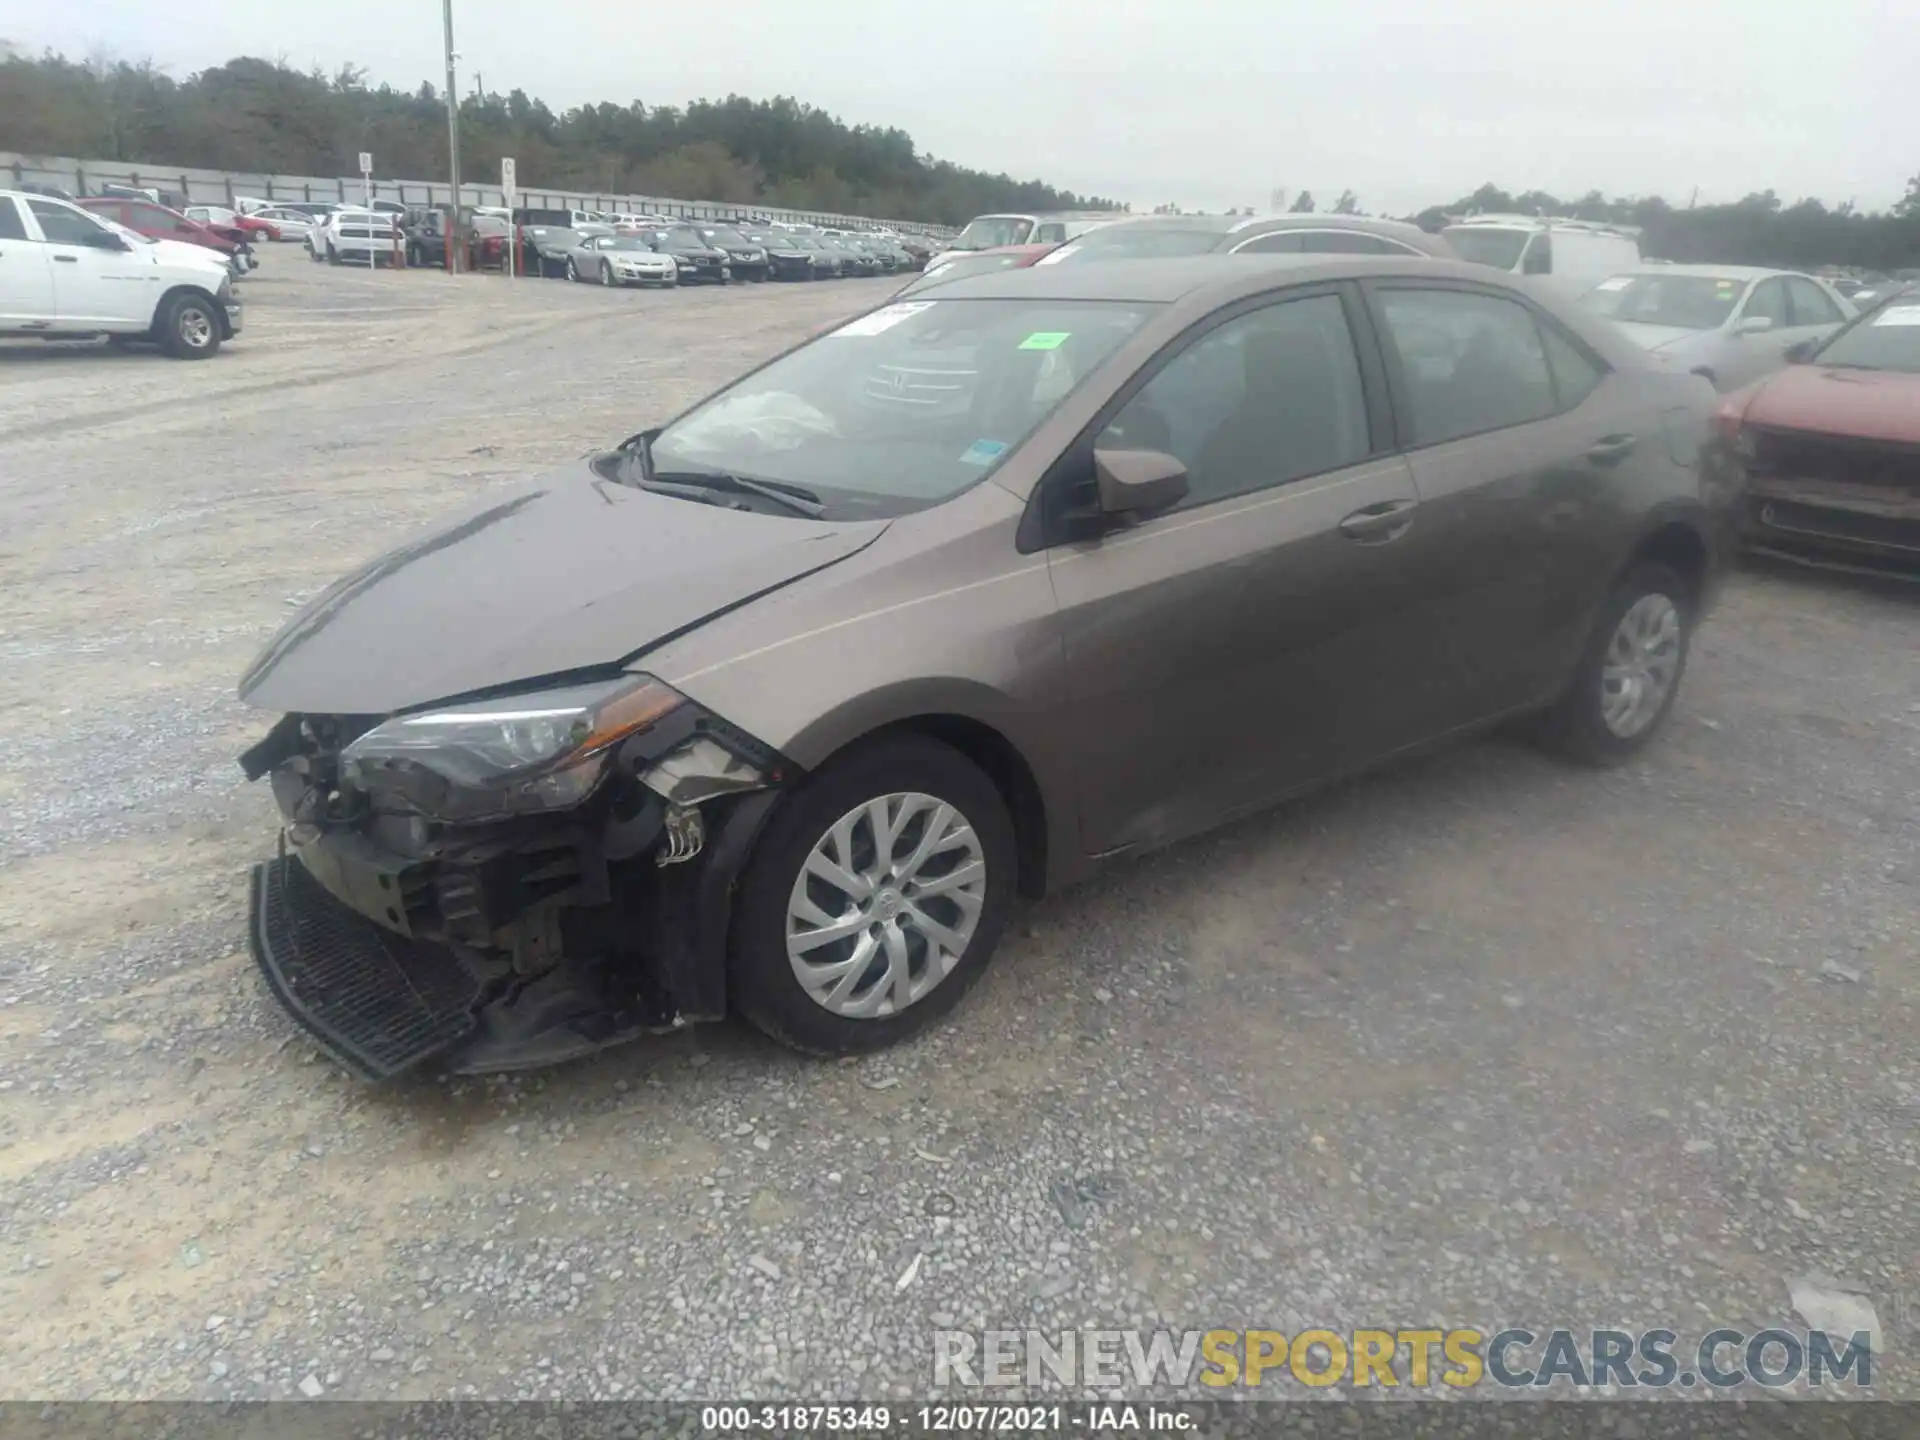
<point x="63" y="225"/>
<point x="12" y="227"/>
<point x="1470" y="362"/>
<point x="1270" y="396"/>
<point x="904" y="407"/>
<point x="1811" y="305"/>
<point x="1769" y="298"/>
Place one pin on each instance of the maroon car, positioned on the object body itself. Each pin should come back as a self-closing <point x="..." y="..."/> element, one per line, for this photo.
<point x="157" y="222"/>
<point x="1830" y="447"/>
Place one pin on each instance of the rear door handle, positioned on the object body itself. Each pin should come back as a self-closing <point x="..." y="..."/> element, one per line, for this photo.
<point x="1377" y="524"/>
<point x="1612" y="449"/>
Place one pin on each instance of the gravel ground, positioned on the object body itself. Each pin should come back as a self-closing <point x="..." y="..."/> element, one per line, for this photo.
<point x="1480" y="1040"/>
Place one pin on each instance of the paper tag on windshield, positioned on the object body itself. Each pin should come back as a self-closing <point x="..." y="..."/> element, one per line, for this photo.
<point x="1898" y="315"/>
<point x="1618" y="282"/>
<point x="1054" y="257"/>
<point x="882" y="320"/>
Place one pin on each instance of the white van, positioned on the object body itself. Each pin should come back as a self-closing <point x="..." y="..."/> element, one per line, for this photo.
<point x="1578" y="254"/>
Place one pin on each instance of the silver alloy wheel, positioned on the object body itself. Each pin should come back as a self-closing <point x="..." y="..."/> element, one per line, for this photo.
<point x="1643" y="657"/>
<point x="606" y="274"/>
<point x="886" y="905"/>
<point x="195" y="327"/>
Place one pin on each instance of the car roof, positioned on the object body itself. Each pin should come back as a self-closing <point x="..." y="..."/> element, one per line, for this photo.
<point x="1714" y="272"/>
<point x="1169" y="280"/>
<point x="1248" y="226"/>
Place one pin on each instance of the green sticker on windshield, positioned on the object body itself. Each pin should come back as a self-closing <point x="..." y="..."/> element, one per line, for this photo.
<point x="1046" y="340"/>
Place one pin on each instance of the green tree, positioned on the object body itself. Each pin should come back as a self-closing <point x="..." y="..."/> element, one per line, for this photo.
<point x="1303" y="203"/>
<point x="1347" y="204"/>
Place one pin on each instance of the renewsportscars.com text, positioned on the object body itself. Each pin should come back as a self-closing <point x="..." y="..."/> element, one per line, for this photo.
<point x="1414" y="1358"/>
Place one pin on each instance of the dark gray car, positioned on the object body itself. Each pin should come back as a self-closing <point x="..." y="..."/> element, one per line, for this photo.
<point x="774" y="709"/>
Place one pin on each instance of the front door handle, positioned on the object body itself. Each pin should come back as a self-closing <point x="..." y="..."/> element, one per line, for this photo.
<point x="1612" y="449"/>
<point x="67" y="259"/>
<point x="1377" y="524"/>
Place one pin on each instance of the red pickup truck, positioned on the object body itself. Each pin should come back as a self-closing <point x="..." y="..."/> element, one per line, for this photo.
<point x="157" y="222"/>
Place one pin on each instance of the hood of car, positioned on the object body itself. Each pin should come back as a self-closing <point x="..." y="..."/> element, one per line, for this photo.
<point x="1832" y="400"/>
<point x="1659" y="337"/>
<point x="570" y="573"/>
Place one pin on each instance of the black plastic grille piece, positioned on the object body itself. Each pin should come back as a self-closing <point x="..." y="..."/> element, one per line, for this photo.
<point x="377" y="1002"/>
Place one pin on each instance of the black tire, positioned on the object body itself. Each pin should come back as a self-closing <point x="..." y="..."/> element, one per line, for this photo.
<point x="333" y="256"/>
<point x="1576" y="726"/>
<point x="188" y="327"/>
<point x="606" y="275"/>
<point x="761" y="980"/>
<point x="573" y="271"/>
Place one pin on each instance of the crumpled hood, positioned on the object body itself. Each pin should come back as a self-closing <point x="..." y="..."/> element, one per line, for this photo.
<point x="570" y="573"/>
<point x="1832" y="400"/>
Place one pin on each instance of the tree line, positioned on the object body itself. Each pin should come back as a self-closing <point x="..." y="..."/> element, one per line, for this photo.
<point x="265" y="116"/>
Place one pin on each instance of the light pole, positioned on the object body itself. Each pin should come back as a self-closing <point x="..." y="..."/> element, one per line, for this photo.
<point x="454" y="242"/>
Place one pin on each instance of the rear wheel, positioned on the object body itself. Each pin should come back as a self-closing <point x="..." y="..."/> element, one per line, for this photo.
<point x="189" y="328"/>
<point x="874" y="899"/>
<point x="1630" y="672"/>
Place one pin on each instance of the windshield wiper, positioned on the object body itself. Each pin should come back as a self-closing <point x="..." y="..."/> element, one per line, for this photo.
<point x="796" y="498"/>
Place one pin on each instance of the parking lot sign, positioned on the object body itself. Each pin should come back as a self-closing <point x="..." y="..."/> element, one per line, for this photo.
<point x="509" y="187"/>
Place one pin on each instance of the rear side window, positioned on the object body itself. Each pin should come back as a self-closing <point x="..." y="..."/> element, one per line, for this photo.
<point x="1539" y="256"/>
<point x="1470" y="363"/>
<point x="1051" y="233"/>
<point x="12" y="227"/>
<point x="1810" y="303"/>
<point x="1575" y="374"/>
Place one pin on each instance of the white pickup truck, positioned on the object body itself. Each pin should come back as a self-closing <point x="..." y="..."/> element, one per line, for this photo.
<point x="65" y="274"/>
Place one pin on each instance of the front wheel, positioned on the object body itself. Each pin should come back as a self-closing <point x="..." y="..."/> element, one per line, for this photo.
<point x="573" y="272"/>
<point x="606" y="275"/>
<point x="189" y="328"/>
<point x="874" y="899"/>
<point x="1630" y="672"/>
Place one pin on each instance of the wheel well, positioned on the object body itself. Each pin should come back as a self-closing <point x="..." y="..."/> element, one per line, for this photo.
<point x="1705" y="373"/>
<point x="1011" y="776"/>
<point x="1679" y="547"/>
<point x="219" y="310"/>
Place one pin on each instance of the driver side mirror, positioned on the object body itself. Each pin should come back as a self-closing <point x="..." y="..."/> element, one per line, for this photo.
<point x="1138" y="483"/>
<point x="1753" y="324"/>
<point x="1801" y="353"/>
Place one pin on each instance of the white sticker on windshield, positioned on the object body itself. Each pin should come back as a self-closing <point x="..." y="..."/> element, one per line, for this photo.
<point x="1618" y="282"/>
<point x="883" y="319"/>
<point x="1898" y="315"/>
<point x="1054" y="257"/>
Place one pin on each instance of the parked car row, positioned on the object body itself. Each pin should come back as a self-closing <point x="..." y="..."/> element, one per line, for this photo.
<point x="603" y="249"/>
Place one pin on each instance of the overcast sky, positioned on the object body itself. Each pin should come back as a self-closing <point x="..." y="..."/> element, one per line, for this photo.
<point x="1208" y="103"/>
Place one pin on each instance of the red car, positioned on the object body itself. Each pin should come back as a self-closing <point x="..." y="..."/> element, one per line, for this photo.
<point x="157" y="222"/>
<point x="1829" y="448"/>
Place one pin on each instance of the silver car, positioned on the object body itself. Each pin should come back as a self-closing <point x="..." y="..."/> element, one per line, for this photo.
<point x="1730" y="323"/>
<point x="619" y="260"/>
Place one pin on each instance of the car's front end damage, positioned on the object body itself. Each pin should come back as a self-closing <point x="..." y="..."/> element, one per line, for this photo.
<point x="507" y="882"/>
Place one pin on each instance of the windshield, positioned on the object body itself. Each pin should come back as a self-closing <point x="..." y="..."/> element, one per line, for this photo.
<point x="561" y="218"/>
<point x="627" y="242"/>
<point x="1685" y="302"/>
<point x="684" y="236"/>
<point x="992" y="231"/>
<point x="1887" y="339"/>
<point x="724" y="237"/>
<point x="904" y="407"/>
<point x="1488" y="244"/>
<point x="1120" y="243"/>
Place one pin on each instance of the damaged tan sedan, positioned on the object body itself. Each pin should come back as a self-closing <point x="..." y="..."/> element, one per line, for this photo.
<point x="775" y="709"/>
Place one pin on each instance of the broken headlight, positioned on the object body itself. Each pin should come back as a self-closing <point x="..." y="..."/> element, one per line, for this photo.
<point x="520" y="754"/>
